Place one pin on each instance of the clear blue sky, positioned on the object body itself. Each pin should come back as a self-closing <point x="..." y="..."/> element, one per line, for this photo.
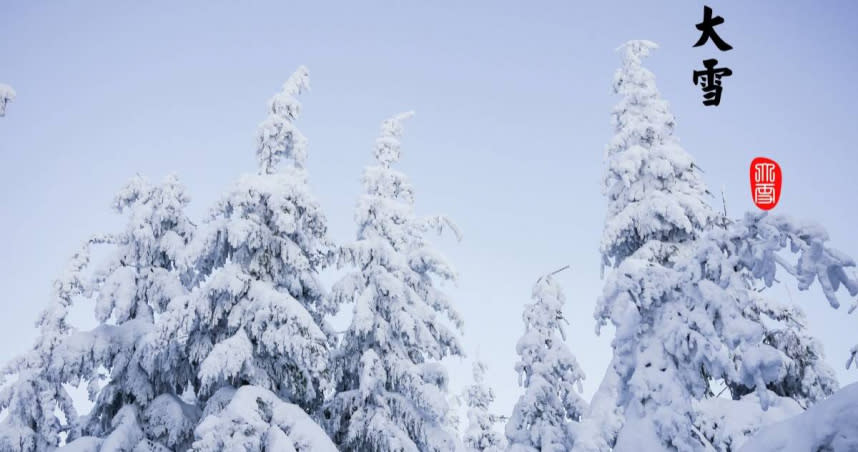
<point x="512" y="103"/>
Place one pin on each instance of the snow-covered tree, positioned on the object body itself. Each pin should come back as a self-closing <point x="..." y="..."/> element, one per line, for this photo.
<point x="7" y="94"/>
<point x="142" y="275"/>
<point x="683" y="291"/>
<point x="656" y="196"/>
<point x="390" y="392"/>
<point x="137" y="279"/>
<point x="741" y="259"/>
<point x="37" y="409"/>
<point x="254" y="419"/>
<point x="252" y="326"/>
<point x="481" y="435"/>
<point x="543" y="417"/>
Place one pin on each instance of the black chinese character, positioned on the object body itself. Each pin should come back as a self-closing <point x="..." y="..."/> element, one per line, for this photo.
<point x="711" y="80"/>
<point x="708" y="29"/>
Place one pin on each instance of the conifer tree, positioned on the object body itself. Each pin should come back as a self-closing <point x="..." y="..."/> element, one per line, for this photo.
<point x="38" y="409"/>
<point x="682" y="292"/>
<point x="543" y="417"/>
<point x="481" y="435"/>
<point x="137" y="280"/>
<point x="249" y="338"/>
<point x="390" y="392"/>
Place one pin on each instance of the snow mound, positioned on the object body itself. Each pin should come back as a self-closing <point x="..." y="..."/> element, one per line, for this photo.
<point x="831" y="424"/>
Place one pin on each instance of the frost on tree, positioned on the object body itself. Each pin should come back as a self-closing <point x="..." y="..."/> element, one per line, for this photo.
<point x="251" y="328"/>
<point x="135" y="282"/>
<point x="7" y="94"/>
<point x="656" y="197"/>
<point x="391" y="390"/>
<point x="254" y="419"/>
<point x="543" y="418"/>
<point x="683" y="294"/>
<point x="36" y="407"/>
<point x="655" y="205"/>
<point x="481" y="435"/>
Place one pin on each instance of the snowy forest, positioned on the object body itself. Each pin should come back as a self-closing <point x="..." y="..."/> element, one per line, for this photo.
<point x="218" y="333"/>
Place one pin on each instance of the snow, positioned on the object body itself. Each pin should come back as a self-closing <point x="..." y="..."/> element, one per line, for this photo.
<point x="481" y="435"/>
<point x="686" y="292"/>
<point x="85" y="444"/>
<point x="550" y="375"/>
<point x="830" y="425"/>
<point x="7" y="94"/>
<point x="255" y="418"/>
<point x="729" y="423"/>
<point x="216" y="336"/>
<point x="391" y="394"/>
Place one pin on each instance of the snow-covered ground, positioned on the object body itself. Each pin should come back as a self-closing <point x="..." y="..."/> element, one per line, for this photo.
<point x="830" y="425"/>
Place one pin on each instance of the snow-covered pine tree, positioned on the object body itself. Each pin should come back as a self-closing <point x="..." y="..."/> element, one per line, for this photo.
<point x="37" y="409"/>
<point x="681" y="294"/>
<point x="481" y="435"/>
<point x="543" y="417"/>
<point x="655" y="206"/>
<point x="740" y="259"/>
<point x="7" y="94"/>
<point x="142" y="275"/>
<point x="137" y="280"/>
<point x="656" y="197"/>
<point x="249" y="338"/>
<point x="776" y="363"/>
<point x="390" y="392"/>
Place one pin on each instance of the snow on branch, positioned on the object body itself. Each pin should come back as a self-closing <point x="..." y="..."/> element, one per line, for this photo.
<point x="387" y="145"/>
<point x="441" y="223"/>
<point x="7" y="94"/>
<point x="760" y="241"/>
<point x="277" y="136"/>
<point x="766" y="235"/>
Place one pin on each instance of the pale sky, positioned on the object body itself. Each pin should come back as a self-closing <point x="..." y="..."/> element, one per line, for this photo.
<point x="512" y="103"/>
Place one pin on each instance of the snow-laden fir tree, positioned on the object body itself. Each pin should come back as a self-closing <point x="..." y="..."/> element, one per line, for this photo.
<point x="137" y="280"/>
<point x="37" y="410"/>
<point x="481" y="434"/>
<point x="7" y="94"/>
<point x="656" y="197"/>
<point x="543" y="418"/>
<point x="655" y="205"/>
<point x="682" y="293"/>
<point x="391" y="389"/>
<point x="248" y="340"/>
<point x="776" y="365"/>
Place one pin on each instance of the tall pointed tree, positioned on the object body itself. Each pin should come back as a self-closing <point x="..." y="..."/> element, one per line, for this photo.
<point x="252" y="327"/>
<point x="390" y="392"/>
<point x="543" y="417"/>
<point x="656" y="196"/>
<point x="481" y="435"/>
<point x="682" y="291"/>
<point x="655" y="206"/>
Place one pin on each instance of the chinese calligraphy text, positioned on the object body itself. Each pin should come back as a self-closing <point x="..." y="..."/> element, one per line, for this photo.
<point x="709" y="79"/>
